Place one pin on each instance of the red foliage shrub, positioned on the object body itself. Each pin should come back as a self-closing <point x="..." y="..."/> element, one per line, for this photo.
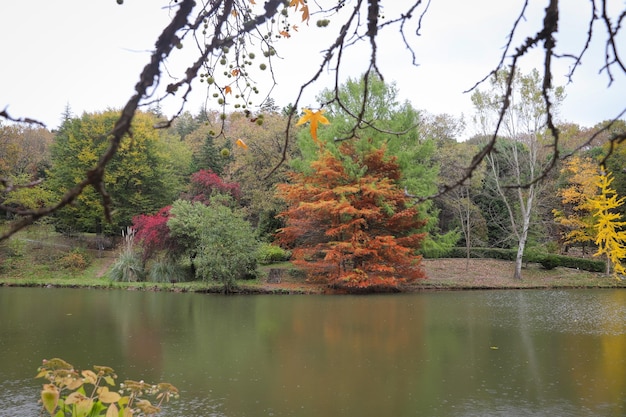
<point x="152" y="232"/>
<point x="205" y="183"/>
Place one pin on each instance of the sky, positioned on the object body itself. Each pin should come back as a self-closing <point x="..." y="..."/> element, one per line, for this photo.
<point x="88" y="55"/>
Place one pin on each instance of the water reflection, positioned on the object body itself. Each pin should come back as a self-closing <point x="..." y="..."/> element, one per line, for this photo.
<point x="487" y="353"/>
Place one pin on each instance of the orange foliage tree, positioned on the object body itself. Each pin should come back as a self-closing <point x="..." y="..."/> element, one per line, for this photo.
<point x="350" y="224"/>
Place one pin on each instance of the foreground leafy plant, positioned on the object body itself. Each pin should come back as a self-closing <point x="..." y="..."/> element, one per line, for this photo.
<point x="74" y="393"/>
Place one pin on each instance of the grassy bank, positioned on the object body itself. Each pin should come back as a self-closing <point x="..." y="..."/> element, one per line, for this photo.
<point x="443" y="274"/>
<point x="41" y="257"/>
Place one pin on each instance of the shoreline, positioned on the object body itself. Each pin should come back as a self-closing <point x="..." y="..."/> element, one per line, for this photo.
<point x="444" y="274"/>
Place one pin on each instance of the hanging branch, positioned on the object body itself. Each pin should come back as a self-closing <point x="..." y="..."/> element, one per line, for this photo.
<point x="95" y="177"/>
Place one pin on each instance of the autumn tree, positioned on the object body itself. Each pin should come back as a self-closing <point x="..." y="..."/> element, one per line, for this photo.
<point x="24" y="159"/>
<point x="349" y="222"/>
<point x="146" y="173"/>
<point x="389" y="122"/>
<point x="610" y="228"/>
<point x="24" y="150"/>
<point x="264" y="138"/>
<point x="576" y="217"/>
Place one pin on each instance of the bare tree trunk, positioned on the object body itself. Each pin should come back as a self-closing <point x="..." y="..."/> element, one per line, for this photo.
<point x="521" y="244"/>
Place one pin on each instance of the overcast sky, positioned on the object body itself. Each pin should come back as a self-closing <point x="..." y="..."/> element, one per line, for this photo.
<point x="89" y="54"/>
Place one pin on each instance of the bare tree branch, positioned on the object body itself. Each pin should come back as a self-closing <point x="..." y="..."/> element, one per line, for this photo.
<point x="95" y="177"/>
<point x="28" y="120"/>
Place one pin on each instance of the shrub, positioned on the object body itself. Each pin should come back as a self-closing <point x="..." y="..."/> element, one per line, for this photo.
<point x="220" y="243"/>
<point x="548" y="261"/>
<point x="76" y="260"/>
<point x="166" y="271"/>
<point x="270" y="254"/>
<point x="71" y="392"/>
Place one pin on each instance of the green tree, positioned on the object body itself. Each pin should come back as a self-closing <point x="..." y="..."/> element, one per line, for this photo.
<point x="386" y="122"/>
<point x="212" y="157"/>
<point x="26" y="195"/>
<point x="146" y="173"/>
<point x="611" y="229"/>
<point x="616" y="162"/>
<point x="216" y="239"/>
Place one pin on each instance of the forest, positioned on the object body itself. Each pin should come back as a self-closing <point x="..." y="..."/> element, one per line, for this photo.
<point x="210" y="195"/>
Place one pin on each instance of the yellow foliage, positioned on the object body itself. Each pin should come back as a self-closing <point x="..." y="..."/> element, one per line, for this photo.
<point x="611" y="232"/>
<point x="577" y="217"/>
<point x="314" y="118"/>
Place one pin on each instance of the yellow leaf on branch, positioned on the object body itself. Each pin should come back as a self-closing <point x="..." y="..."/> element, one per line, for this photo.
<point x="241" y="144"/>
<point x="228" y="90"/>
<point x="314" y="118"/>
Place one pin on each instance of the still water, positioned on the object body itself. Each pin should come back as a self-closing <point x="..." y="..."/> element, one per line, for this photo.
<point x="480" y="353"/>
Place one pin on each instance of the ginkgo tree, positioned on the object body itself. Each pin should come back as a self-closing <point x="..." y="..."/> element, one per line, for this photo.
<point x="576" y="215"/>
<point x="610" y="227"/>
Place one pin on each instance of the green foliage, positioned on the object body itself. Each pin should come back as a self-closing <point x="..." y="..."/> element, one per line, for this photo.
<point x="26" y="196"/>
<point x="270" y="254"/>
<point x="211" y="157"/>
<point x="385" y="113"/>
<point x="75" y="393"/>
<point x="14" y="248"/>
<point x="390" y="123"/>
<point x="146" y="173"/>
<point x="548" y="261"/>
<point x="220" y="243"/>
<point x="166" y="270"/>
<point x="439" y="248"/>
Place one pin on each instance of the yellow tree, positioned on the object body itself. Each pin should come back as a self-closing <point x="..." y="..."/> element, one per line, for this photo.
<point x="576" y="216"/>
<point x="610" y="228"/>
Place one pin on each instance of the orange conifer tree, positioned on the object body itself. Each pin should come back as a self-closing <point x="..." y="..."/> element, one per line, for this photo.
<point x="350" y="224"/>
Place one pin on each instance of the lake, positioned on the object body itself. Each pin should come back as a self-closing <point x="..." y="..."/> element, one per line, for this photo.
<point x="457" y="353"/>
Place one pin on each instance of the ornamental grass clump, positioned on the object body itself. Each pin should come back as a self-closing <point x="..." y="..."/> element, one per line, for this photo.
<point x="128" y="266"/>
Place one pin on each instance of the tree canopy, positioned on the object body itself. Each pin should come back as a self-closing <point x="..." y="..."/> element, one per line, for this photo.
<point x="230" y="34"/>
